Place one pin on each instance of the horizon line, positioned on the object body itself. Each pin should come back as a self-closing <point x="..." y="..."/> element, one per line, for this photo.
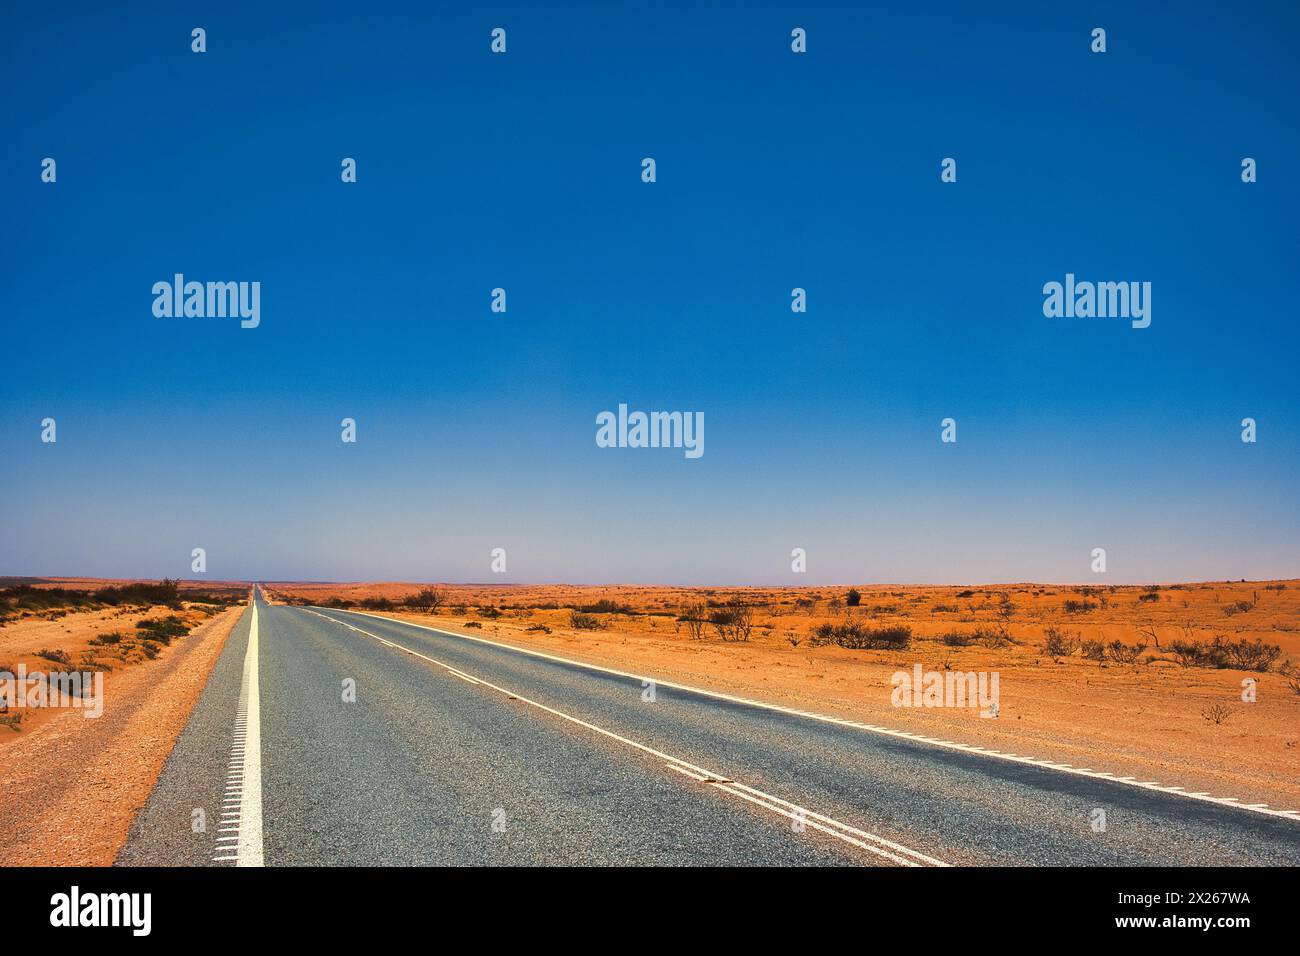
<point x="19" y="578"/>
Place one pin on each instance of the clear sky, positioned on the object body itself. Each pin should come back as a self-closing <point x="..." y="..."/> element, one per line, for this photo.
<point x="775" y="170"/>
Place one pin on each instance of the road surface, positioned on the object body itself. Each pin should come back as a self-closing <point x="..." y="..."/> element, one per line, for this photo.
<point x="330" y="737"/>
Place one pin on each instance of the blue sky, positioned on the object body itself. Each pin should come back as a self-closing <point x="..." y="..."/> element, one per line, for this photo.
<point x="775" y="170"/>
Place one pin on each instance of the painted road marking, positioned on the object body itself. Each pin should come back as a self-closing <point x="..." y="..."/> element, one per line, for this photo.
<point x="244" y="782"/>
<point x="857" y="725"/>
<point x="887" y="849"/>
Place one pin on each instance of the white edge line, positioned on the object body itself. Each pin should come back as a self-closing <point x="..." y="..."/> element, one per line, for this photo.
<point x="249" y="849"/>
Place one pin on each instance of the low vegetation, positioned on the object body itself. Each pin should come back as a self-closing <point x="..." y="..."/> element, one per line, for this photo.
<point x="856" y="635"/>
<point x="1058" y="643"/>
<point x="24" y="600"/>
<point x="695" y="615"/>
<point x="162" y="630"/>
<point x="734" y="621"/>
<point x="428" y="600"/>
<point x="1223" y="653"/>
<point x="605" y="606"/>
<point x="1217" y="714"/>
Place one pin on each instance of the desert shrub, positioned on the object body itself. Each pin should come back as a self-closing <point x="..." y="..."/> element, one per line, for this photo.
<point x="1122" y="653"/>
<point x="489" y="612"/>
<point x="945" y="609"/>
<point x="1221" y="653"/>
<point x="473" y="624"/>
<point x="893" y="637"/>
<point x="1218" y="714"/>
<point x="203" y="597"/>
<point x="992" y="636"/>
<point x="1079" y="607"/>
<point x="1059" y="643"/>
<point x="1093" y="650"/>
<point x="1248" y="656"/>
<point x="163" y="629"/>
<point x="855" y="635"/>
<point x="1193" y="653"/>
<point x="965" y="594"/>
<point x="734" y="621"/>
<point x="104" y="640"/>
<point x="853" y="598"/>
<point x="822" y="634"/>
<point x="606" y="606"/>
<point x="852" y="634"/>
<point x="958" y="639"/>
<point x="1149" y="596"/>
<point x="150" y="649"/>
<point x="57" y="656"/>
<point x="428" y="600"/>
<point x="24" y="597"/>
<point x="694" y="615"/>
<point x="166" y="591"/>
<point x="584" y="622"/>
<point x="539" y="627"/>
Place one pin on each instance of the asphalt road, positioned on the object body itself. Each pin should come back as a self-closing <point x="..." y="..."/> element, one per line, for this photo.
<point x="449" y="750"/>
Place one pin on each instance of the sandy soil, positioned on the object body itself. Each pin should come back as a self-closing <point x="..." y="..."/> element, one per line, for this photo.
<point x="1147" y="719"/>
<point x="70" y="641"/>
<point x="72" y="785"/>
